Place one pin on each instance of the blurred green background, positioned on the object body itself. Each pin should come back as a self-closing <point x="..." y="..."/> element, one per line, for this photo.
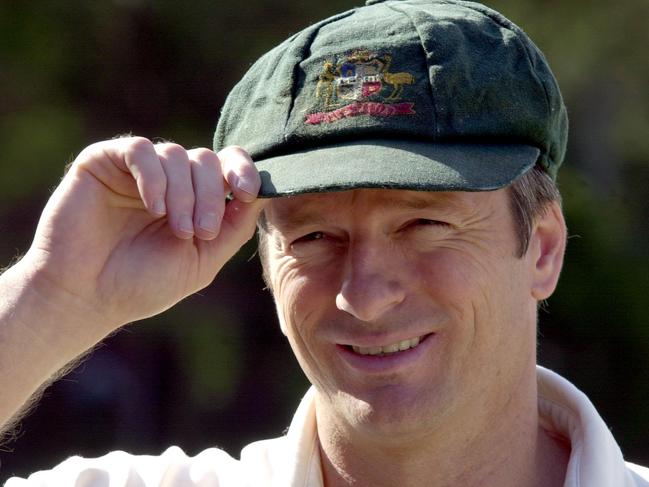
<point x="215" y="370"/>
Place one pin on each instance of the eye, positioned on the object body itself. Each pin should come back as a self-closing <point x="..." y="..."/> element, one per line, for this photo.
<point x="425" y="222"/>
<point x="425" y="228"/>
<point x="309" y="242"/>
<point x="309" y="237"/>
<point x="314" y="245"/>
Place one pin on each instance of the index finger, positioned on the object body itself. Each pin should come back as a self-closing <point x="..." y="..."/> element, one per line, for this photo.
<point x="240" y="173"/>
<point x="133" y="155"/>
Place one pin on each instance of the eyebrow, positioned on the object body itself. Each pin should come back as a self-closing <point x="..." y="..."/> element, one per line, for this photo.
<point x="298" y="216"/>
<point x="428" y="200"/>
<point x="296" y="220"/>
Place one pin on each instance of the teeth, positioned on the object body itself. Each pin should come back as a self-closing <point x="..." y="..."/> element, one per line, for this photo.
<point x="392" y="348"/>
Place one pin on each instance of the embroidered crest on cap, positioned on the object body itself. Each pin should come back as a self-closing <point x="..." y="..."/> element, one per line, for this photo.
<point x="356" y="85"/>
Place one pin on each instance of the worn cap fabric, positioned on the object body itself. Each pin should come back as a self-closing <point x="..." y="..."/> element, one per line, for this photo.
<point x="411" y="94"/>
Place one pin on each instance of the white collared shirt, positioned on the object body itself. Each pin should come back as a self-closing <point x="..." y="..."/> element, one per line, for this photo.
<point x="294" y="461"/>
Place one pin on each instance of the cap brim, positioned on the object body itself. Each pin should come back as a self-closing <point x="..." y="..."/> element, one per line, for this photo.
<point x="395" y="164"/>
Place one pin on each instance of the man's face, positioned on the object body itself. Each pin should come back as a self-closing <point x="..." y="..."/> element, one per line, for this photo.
<point x="403" y="307"/>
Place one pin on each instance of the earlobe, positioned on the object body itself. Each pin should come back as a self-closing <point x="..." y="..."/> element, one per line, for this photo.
<point x="547" y="247"/>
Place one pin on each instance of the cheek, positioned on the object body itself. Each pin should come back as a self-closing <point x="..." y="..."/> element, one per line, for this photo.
<point x="303" y="305"/>
<point x="301" y="295"/>
<point x="480" y="293"/>
<point x="454" y="278"/>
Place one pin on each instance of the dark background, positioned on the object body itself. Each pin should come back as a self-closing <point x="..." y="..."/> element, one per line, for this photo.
<point x="215" y="370"/>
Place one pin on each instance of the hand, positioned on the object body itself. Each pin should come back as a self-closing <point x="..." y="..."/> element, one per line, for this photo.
<point x="135" y="227"/>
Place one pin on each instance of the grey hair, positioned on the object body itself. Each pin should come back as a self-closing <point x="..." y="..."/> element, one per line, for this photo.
<point x="529" y="198"/>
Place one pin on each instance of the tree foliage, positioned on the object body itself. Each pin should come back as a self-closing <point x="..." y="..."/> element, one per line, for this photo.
<point x="217" y="370"/>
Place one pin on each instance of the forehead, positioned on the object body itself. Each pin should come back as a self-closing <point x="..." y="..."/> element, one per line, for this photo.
<point x="302" y="209"/>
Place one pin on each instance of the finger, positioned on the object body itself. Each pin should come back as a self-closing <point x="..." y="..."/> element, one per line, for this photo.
<point x="209" y="193"/>
<point x="180" y="192"/>
<point x="137" y="155"/>
<point x="240" y="173"/>
<point x="238" y="226"/>
<point x="239" y="223"/>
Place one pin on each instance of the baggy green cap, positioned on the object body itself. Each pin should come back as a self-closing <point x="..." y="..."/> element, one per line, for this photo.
<point x="412" y="94"/>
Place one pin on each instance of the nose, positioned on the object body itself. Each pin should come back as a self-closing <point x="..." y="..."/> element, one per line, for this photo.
<point x="372" y="283"/>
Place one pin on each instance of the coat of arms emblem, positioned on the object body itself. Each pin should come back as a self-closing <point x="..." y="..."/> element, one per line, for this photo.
<point x="361" y="84"/>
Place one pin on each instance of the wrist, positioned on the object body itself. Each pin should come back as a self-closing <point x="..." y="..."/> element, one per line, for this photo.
<point x="57" y="319"/>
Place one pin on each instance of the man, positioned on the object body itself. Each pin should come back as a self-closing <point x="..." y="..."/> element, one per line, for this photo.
<point x="408" y="149"/>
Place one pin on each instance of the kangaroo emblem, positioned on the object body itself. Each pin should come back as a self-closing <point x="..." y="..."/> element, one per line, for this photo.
<point x="397" y="80"/>
<point x="326" y="82"/>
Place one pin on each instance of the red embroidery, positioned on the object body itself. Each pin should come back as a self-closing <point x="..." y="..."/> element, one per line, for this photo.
<point x="366" y="108"/>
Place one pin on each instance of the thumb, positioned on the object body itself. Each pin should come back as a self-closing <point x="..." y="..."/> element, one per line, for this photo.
<point x="238" y="224"/>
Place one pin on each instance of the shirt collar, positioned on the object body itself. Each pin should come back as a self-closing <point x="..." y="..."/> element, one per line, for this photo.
<point x="595" y="459"/>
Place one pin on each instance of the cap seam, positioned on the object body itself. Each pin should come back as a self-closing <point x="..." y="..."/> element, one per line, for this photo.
<point x="548" y="110"/>
<point x="423" y="48"/>
<point x="500" y="20"/>
<point x="296" y="68"/>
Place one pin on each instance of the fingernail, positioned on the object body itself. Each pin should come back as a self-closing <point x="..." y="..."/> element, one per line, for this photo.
<point x="208" y="222"/>
<point x="247" y="185"/>
<point x="185" y="224"/>
<point x="159" y="206"/>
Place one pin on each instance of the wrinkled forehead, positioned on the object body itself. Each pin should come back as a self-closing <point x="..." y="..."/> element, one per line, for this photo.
<point x="306" y="208"/>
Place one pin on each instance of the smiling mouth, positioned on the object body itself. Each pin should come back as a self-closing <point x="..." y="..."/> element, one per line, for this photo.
<point x="389" y="349"/>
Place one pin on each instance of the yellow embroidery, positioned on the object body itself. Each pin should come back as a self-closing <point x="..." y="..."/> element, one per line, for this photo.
<point x="326" y="82"/>
<point x="397" y="80"/>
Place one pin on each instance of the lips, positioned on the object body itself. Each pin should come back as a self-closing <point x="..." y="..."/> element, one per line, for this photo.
<point x="387" y="356"/>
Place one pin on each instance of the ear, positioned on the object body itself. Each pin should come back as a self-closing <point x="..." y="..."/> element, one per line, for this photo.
<point x="546" y="250"/>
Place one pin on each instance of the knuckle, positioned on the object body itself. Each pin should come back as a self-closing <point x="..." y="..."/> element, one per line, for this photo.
<point x="235" y="150"/>
<point x="92" y="153"/>
<point x="95" y="149"/>
<point x="87" y="154"/>
<point x="171" y="149"/>
<point x="137" y="140"/>
<point x="202" y="153"/>
<point x="136" y="146"/>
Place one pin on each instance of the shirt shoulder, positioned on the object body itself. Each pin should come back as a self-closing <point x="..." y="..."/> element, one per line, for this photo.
<point x="210" y="468"/>
<point x="639" y="474"/>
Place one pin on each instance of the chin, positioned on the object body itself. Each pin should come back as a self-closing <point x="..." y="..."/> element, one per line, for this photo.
<point x="392" y="411"/>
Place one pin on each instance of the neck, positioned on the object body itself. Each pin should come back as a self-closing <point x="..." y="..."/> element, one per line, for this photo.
<point x="479" y="448"/>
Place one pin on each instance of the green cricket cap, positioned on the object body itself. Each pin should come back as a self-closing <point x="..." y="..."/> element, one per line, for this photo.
<point x="410" y="94"/>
